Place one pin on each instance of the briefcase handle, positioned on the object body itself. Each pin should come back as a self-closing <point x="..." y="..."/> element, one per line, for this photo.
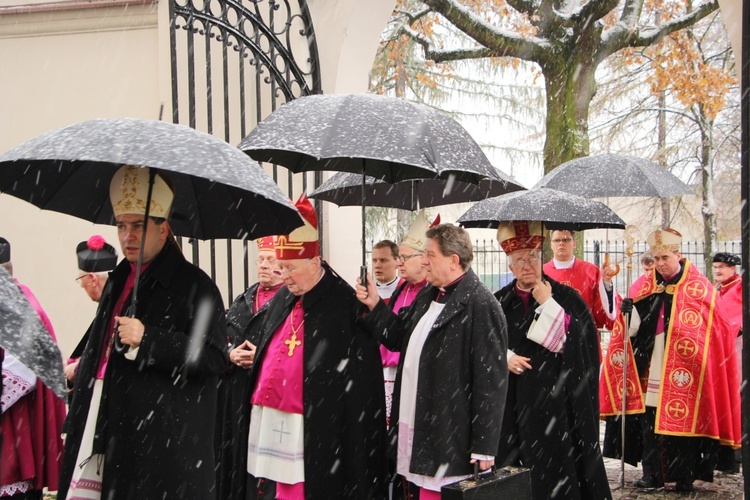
<point x="487" y="472"/>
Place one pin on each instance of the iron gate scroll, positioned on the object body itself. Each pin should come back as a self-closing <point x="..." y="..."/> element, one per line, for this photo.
<point x="233" y="62"/>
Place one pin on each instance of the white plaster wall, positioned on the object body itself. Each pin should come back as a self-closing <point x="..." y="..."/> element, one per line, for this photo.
<point x="66" y="66"/>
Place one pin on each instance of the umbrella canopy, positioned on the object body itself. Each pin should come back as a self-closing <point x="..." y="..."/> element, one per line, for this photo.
<point x="23" y="335"/>
<point x="384" y="137"/>
<point x="345" y="189"/>
<point x="606" y="175"/>
<point x="556" y="209"/>
<point x="219" y="191"/>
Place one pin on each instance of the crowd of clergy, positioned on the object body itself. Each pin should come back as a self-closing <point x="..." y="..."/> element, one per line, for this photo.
<point x="310" y="388"/>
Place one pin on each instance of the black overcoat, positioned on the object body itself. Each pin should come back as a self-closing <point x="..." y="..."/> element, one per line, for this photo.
<point x="156" y="417"/>
<point x="553" y="409"/>
<point x="233" y="418"/>
<point x="343" y="394"/>
<point x="463" y="375"/>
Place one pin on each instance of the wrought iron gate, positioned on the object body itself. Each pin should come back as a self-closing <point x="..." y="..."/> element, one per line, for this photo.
<point x="232" y="63"/>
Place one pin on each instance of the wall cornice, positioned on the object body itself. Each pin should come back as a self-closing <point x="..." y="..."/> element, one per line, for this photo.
<point x="76" y="16"/>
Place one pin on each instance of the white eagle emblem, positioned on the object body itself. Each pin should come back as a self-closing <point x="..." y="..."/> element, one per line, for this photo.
<point x="681" y="378"/>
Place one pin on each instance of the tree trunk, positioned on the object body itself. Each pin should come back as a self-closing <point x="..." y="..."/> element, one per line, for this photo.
<point x="570" y="87"/>
<point x="662" y="138"/>
<point x="708" y="208"/>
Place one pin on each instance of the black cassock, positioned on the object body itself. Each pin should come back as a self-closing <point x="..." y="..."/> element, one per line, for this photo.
<point x="233" y="418"/>
<point x="551" y="421"/>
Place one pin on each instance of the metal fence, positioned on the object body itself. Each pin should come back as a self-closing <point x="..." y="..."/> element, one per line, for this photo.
<point x="491" y="263"/>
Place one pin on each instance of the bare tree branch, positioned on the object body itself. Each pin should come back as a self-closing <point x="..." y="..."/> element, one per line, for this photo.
<point x="497" y="41"/>
<point x="622" y="36"/>
<point x="524" y="6"/>
<point x="591" y="11"/>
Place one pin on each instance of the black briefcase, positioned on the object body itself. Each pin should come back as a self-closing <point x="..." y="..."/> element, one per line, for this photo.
<point x="513" y="483"/>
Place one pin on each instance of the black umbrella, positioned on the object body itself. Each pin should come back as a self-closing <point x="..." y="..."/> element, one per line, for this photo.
<point x="383" y="137"/>
<point x="219" y="191"/>
<point x="557" y="210"/>
<point x="613" y="175"/>
<point x="345" y="189"/>
<point x="23" y="335"/>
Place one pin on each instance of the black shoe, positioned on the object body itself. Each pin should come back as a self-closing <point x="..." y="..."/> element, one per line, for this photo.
<point x="684" y="486"/>
<point x="648" y="483"/>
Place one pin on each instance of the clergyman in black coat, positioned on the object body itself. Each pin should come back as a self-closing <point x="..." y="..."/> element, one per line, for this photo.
<point x="551" y="422"/>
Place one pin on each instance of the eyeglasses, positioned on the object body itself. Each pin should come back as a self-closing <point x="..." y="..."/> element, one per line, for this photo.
<point x="557" y="241"/>
<point x="404" y="258"/>
<point x="271" y="261"/>
<point x="531" y="260"/>
<point x="720" y="267"/>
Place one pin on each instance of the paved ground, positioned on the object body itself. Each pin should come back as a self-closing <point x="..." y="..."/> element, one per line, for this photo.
<point x="724" y="487"/>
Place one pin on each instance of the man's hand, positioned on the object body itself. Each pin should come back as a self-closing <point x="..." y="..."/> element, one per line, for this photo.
<point x="483" y="464"/>
<point x="243" y="355"/>
<point x="368" y="296"/>
<point x="626" y="306"/>
<point x="130" y="330"/>
<point x="519" y="364"/>
<point x="609" y="272"/>
<point x="542" y="292"/>
<point x="70" y="370"/>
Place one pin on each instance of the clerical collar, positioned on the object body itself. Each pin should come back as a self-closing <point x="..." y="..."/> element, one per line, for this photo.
<point x="447" y="290"/>
<point x="523" y="290"/>
<point x="379" y="284"/>
<point x="564" y="265"/>
<point x="272" y="288"/>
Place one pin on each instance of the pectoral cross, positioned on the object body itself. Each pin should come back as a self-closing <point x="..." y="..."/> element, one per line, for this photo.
<point x="292" y="343"/>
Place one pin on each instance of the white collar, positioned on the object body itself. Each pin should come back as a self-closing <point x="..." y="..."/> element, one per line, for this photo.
<point x="564" y="265"/>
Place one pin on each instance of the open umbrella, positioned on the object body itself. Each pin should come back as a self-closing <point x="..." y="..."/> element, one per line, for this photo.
<point x="219" y="191"/>
<point x="23" y="335"/>
<point x="345" y="189"/>
<point x="556" y="209"/>
<point x="383" y="137"/>
<point x="613" y="175"/>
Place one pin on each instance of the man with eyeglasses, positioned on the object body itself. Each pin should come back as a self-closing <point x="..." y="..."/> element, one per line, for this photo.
<point x="244" y="320"/>
<point x="729" y="284"/>
<point x="551" y="421"/>
<point x="413" y="280"/>
<point x="594" y="284"/>
<point x="317" y="417"/>
<point x="96" y="258"/>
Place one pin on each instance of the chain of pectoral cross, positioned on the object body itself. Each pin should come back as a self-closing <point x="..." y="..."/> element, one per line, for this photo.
<point x="293" y="342"/>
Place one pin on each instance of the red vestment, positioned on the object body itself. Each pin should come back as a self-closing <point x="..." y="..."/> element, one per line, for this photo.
<point x="31" y="429"/>
<point x="730" y="293"/>
<point x="699" y="393"/>
<point x="584" y="277"/>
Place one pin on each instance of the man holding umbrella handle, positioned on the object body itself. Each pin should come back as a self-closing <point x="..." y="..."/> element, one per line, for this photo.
<point x="142" y="417"/>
